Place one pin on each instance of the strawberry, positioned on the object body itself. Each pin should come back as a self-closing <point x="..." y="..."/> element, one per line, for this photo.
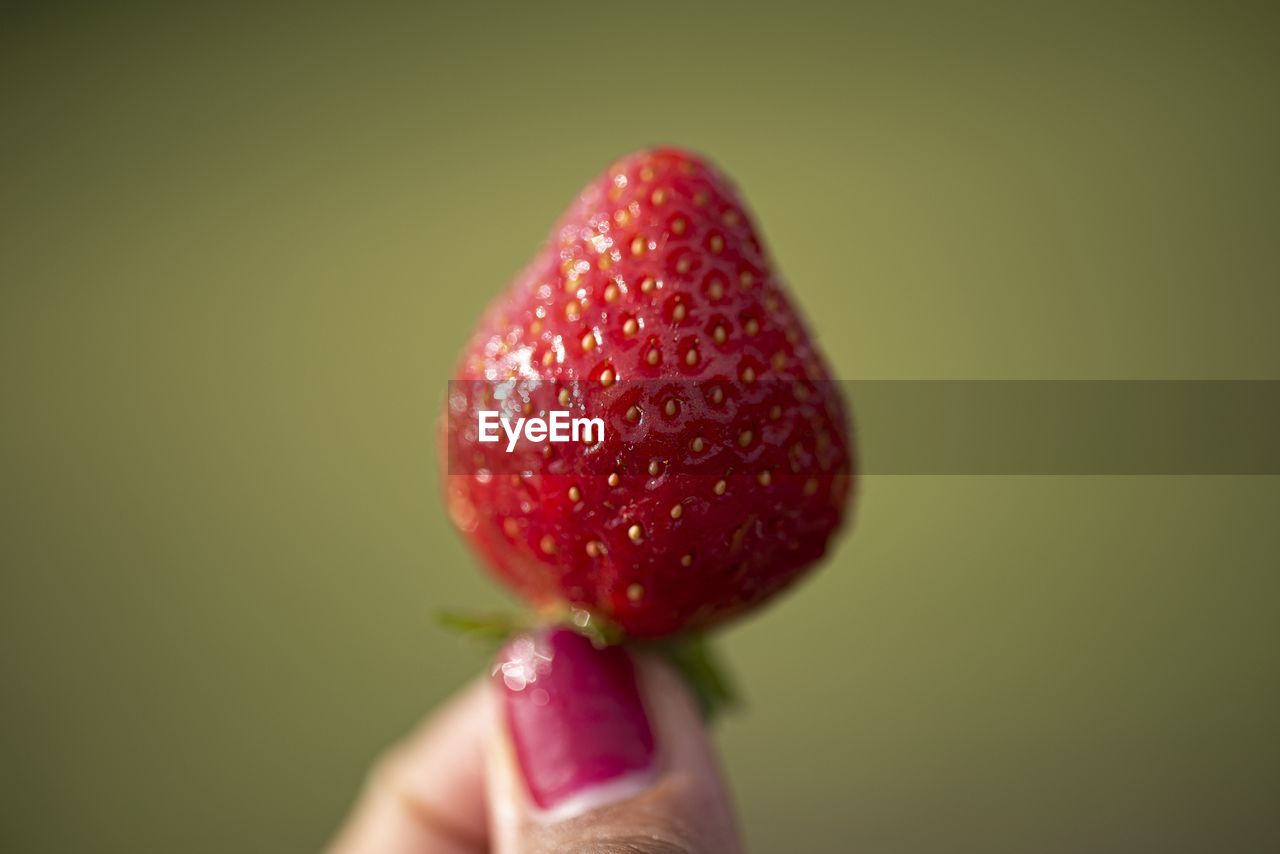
<point x="726" y="462"/>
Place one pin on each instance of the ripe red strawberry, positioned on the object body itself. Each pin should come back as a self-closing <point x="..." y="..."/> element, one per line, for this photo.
<point x="726" y="463"/>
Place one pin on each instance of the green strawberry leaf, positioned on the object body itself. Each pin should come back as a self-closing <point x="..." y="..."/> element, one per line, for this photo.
<point x="690" y="655"/>
<point x="493" y="627"/>
<point x="693" y="659"/>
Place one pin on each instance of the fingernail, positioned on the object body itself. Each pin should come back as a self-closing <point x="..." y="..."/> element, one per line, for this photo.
<point x="577" y="724"/>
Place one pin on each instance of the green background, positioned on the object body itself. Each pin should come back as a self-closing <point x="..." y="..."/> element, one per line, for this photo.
<point x="240" y="249"/>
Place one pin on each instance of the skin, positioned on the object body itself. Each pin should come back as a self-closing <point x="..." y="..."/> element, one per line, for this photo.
<point x="453" y="787"/>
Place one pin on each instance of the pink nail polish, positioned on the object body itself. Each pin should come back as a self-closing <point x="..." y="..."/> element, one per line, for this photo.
<point x="577" y="723"/>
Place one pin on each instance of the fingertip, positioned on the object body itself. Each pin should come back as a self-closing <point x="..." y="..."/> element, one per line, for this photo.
<point x="691" y="767"/>
<point x="600" y="745"/>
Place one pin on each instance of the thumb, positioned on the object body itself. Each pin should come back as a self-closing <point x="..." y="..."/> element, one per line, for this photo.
<point x="599" y="750"/>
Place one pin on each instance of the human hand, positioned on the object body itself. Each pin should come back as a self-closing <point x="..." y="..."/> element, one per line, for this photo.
<point x="565" y="748"/>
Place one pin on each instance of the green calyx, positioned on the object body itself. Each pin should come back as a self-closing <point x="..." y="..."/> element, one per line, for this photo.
<point x="690" y="655"/>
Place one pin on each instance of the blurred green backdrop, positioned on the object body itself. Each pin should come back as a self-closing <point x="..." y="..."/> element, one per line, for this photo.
<point x="239" y="249"/>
